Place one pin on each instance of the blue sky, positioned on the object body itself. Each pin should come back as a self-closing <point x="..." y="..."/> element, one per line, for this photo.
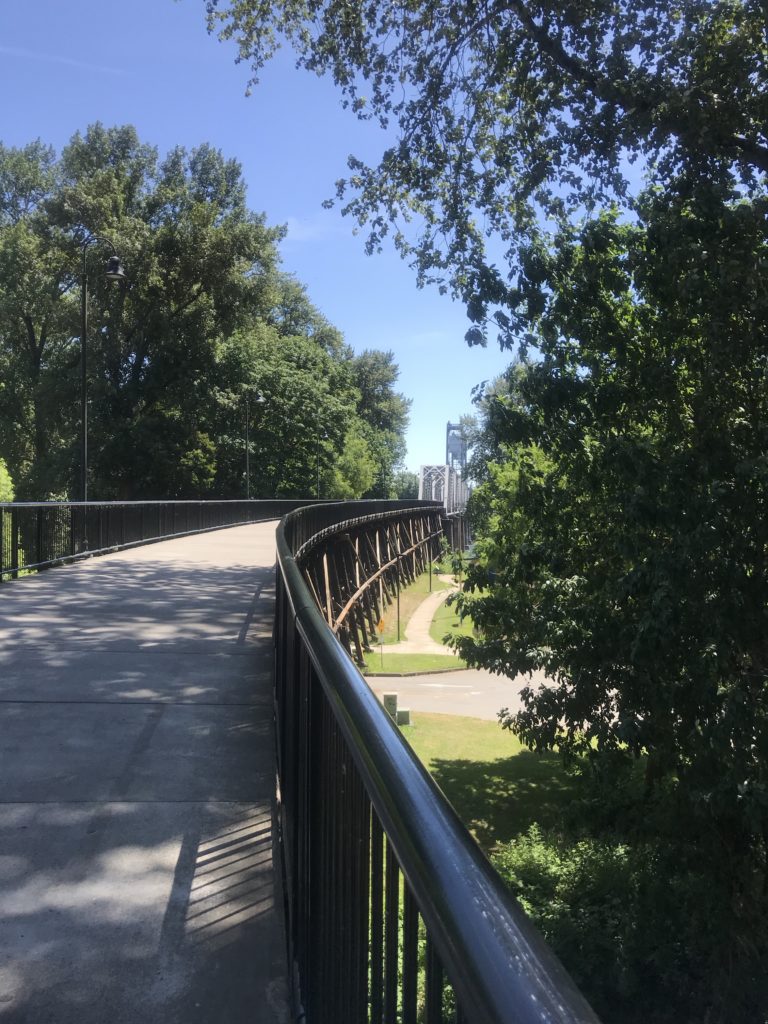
<point x="151" y="63"/>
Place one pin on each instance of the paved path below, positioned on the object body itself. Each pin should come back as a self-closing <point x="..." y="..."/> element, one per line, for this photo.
<point x="137" y="766"/>
<point x="418" y="639"/>
<point x="471" y="692"/>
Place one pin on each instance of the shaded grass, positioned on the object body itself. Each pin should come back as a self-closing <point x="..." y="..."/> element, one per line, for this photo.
<point x="404" y="663"/>
<point x="497" y="787"/>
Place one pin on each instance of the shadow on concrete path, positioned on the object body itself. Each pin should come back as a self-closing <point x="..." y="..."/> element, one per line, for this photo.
<point x="137" y="760"/>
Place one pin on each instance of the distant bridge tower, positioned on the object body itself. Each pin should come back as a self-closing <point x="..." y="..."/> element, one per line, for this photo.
<point x="443" y="483"/>
<point x="456" y="448"/>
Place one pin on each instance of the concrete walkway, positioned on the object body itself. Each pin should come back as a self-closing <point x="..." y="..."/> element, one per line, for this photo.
<point x="474" y="693"/>
<point x="418" y="640"/>
<point x="136" y="756"/>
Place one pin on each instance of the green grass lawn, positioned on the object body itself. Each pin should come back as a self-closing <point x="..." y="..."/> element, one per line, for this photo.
<point x="497" y="787"/>
<point x="444" y="567"/>
<point x="446" y="622"/>
<point x="410" y="599"/>
<point x="401" y="664"/>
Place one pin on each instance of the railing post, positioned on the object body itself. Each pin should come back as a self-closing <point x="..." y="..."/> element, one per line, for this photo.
<point x="397" y="581"/>
<point x="39" y="514"/>
<point x="14" y="544"/>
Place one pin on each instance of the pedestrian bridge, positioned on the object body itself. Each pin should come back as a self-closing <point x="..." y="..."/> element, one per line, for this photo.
<point x="206" y="816"/>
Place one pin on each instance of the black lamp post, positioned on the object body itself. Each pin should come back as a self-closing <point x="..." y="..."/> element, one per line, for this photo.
<point x="258" y="399"/>
<point x="320" y="435"/>
<point x="113" y="271"/>
<point x="317" y="460"/>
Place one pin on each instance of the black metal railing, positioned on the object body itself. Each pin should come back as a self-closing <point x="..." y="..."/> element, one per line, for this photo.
<point x="38" y="535"/>
<point x="394" y="913"/>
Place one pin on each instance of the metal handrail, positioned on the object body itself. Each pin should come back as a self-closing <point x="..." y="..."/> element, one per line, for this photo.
<point x="37" y="535"/>
<point x="500" y="968"/>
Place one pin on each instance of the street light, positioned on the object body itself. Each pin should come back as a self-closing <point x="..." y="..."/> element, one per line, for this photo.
<point x="258" y="399"/>
<point x="113" y="271"/>
<point x="320" y="435"/>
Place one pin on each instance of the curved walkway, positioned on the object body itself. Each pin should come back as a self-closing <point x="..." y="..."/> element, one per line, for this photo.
<point x="137" y="760"/>
<point x="475" y="693"/>
<point x="417" y="628"/>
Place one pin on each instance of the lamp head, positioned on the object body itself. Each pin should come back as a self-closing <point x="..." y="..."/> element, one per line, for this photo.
<point x="114" y="269"/>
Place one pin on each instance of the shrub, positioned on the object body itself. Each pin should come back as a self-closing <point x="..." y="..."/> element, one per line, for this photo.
<point x="647" y="934"/>
<point x="6" y="484"/>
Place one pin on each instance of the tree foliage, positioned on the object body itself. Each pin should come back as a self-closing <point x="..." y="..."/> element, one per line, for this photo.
<point x="510" y="115"/>
<point x="406" y="484"/>
<point x="624" y="548"/>
<point x="6" y="484"/>
<point x="383" y="414"/>
<point x="623" y="540"/>
<point x="206" y="315"/>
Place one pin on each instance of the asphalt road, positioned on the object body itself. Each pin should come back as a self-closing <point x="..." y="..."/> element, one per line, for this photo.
<point x="471" y="692"/>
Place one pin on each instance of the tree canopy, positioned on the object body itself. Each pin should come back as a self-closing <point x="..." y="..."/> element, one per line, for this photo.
<point x="383" y="414"/>
<point x="590" y="178"/>
<point x="6" y="484"/>
<point x="623" y="545"/>
<point x="504" y="118"/>
<point x="206" y="316"/>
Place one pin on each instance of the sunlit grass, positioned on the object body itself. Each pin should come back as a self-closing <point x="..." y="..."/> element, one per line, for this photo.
<point x="446" y="622"/>
<point x="402" y="664"/>
<point x="497" y="787"/>
<point x="410" y="599"/>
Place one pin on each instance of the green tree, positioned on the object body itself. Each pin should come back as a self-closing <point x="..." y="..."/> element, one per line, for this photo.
<point x="354" y="471"/>
<point x="34" y="323"/>
<point x="206" y="318"/>
<point x="506" y="116"/>
<point x="294" y="315"/>
<point x="485" y="432"/>
<point x="303" y="424"/>
<point x="624" y="549"/>
<point x="406" y="484"/>
<point x="6" y="484"/>
<point x="383" y="414"/>
<point x="200" y="264"/>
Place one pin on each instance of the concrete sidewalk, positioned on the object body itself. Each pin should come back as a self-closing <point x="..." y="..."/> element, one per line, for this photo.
<point x="417" y="637"/>
<point x="137" y="767"/>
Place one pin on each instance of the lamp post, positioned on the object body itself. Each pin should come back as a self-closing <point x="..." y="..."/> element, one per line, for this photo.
<point x="113" y="271"/>
<point x="258" y="399"/>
